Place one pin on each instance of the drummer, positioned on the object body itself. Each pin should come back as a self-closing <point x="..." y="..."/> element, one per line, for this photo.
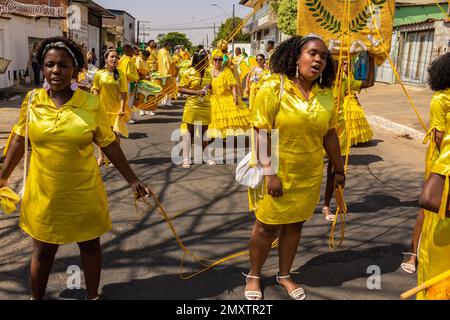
<point x="144" y="69"/>
<point x="166" y="68"/>
<point x="128" y="67"/>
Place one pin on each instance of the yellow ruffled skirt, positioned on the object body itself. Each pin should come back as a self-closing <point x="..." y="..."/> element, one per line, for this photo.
<point x="227" y="119"/>
<point x="357" y="126"/>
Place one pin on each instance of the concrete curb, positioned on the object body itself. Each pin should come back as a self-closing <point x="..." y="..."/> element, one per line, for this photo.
<point x="396" y="127"/>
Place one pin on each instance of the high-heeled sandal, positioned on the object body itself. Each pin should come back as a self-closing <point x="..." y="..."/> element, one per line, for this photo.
<point x="328" y="214"/>
<point x="409" y="267"/>
<point x="296" y="294"/>
<point x="251" y="294"/>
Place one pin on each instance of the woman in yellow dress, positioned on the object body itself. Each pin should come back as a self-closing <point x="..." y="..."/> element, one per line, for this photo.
<point x="296" y="104"/>
<point x="196" y="83"/>
<point x="230" y="116"/>
<point x="439" y="81"/>
<point x="355" y="124"/>
<point x="127" y="64"/>
<point x="65" y="200"/>
<point x="434" y="250"/>
<point x="110" y="84"/>
<point x="256" y="77"/>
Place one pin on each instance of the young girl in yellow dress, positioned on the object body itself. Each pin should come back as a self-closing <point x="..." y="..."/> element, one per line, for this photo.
<point x="256" y="77"/>
<point x="196" y="83"/>
<point x="434" y="250"/>
<point x="230" y="116"/>
<point x="65" y="200"/>
<point x="110" y="84"/>
<point x="354" y="125"/>
<point x="297" y="103"/>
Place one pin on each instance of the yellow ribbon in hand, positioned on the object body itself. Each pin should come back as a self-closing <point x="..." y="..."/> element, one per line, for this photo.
<point x="8" y="200"/>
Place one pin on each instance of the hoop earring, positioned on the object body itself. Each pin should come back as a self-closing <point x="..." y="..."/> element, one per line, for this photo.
<point x="46" y="85"/>
<point x="297" y="74"/>
<point x="74" y="85"/>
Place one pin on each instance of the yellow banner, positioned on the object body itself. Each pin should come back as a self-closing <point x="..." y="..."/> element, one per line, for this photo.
<point x="367" y="21"/>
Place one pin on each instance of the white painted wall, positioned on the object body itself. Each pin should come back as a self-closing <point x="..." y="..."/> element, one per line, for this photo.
<point x="94" y="39"/>
<point x="81" y="33"/>
<point x="15" y="47"/>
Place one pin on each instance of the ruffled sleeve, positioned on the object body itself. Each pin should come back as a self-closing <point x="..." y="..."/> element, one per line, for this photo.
<point x="437" y="115"/>
<point x="96" y="83"/>
<point x="265" y="107"/>
<point x="20" y="127"/>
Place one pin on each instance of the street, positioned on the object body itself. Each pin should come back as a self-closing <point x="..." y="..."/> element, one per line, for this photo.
<point x="141" y="256"/>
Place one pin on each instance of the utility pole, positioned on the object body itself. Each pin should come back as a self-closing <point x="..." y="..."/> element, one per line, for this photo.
<point x="207" y="42"/>
<point x="215" y="36"/>
<point x="234" y="26"/>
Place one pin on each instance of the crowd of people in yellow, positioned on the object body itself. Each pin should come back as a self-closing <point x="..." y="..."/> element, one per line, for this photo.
<point x="291" y="91"/>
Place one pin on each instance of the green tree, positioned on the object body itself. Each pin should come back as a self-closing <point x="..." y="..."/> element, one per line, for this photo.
<point x="227" y="28"/>
<point x="286" y="11"/>
<point x="174" y="39"/>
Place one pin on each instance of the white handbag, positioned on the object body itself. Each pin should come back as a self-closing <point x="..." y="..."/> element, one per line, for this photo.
<point x="249" y="172"/>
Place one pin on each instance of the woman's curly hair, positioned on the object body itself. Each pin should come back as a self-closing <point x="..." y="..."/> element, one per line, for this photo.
<point x="439" y="73"/>
<point x="284" y="60"/>
<point x="72" y="45"/>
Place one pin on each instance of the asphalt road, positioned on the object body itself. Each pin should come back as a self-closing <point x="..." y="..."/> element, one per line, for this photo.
<point x="209" y="211"/>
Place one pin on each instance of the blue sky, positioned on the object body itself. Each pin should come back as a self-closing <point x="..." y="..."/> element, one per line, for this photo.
<point x="178" y="14"/>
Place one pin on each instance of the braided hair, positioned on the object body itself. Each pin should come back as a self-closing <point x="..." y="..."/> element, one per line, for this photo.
<point x="284" y="60"/>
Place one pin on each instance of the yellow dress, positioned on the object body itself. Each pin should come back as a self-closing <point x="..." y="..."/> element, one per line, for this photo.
<point x="185" y="55"/>
<point x="65" y="200"/>
<point x="128" y="66"/>
<point x="143" y="66"/>
<point x="227" y="119"/>
<point x="343" y="97"/>
<point x="257" y="80"/>
<point x="301" y="126"/>
<point x="153" y="59"/>
<point x="434" y="251"/>
<point x="196" y="109"/>
<point x="110" y="92"/>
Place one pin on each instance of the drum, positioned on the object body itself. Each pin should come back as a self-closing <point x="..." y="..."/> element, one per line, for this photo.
<point x="158" y="78"/>
<point x="146" y="93"/>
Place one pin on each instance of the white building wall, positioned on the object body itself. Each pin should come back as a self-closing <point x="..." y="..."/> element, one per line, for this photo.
<point x="129" y="33"/>
<point x="94" y="38"/>
<point x="15" y="37"/>
<point x="81" y="33"/>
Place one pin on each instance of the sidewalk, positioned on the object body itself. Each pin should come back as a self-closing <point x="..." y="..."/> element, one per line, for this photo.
<point x="9" y="110"/>
<point x="388" y="107"/>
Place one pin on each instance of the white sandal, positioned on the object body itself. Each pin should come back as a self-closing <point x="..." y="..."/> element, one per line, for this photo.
<point x="210" y="162"/>
<point x="186" y="164"/>
<point x="409" y="267"/>
<point x="296" y="294"/>
<point x="252" y="295"/>
<point x="329" y="216"/>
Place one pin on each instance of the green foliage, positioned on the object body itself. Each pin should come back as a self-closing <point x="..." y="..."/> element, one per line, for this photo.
<point x="227" y="28"/>
<point x="174" y="39"/>
<point x="286" y="11"/>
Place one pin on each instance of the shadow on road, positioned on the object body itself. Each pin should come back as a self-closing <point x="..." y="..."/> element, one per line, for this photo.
<point x="363" y="160"/>
<point x="377" y="202"/>
<point x="372" y="143"/>
<point x="336" y="268"/>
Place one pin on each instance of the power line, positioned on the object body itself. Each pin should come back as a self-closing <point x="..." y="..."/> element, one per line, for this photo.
<point x="181" y="29"/>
